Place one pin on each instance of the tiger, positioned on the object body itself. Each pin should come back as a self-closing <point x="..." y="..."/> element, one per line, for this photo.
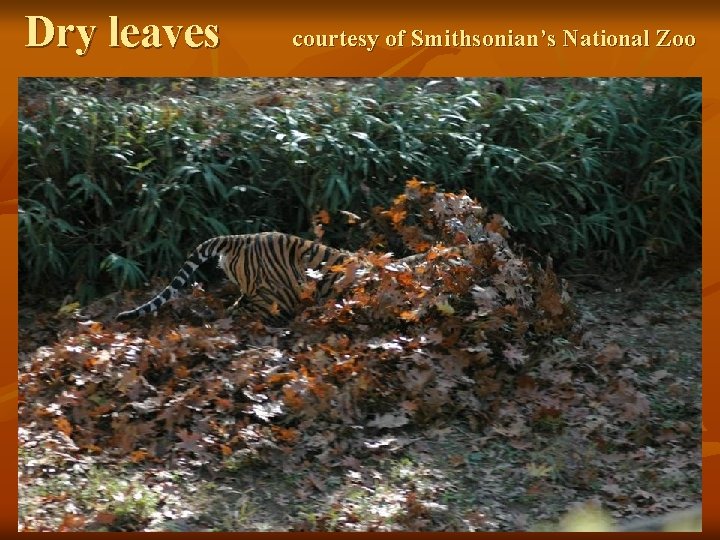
<point x="270" y="268"/>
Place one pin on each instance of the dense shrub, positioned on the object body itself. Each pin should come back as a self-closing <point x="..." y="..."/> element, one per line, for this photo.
<point x="118" y="186"/>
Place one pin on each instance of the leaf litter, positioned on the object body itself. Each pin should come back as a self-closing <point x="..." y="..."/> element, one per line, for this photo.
<point x="455" y="387"/>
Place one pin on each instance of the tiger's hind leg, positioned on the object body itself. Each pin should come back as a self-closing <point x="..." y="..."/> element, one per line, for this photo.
<point x="262" y="306"/>
<point x="241" y="306"/>
<point x="272" y="307"/>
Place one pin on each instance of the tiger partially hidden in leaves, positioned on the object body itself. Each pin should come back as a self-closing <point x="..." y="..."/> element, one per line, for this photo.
<point x="272" y="270"/>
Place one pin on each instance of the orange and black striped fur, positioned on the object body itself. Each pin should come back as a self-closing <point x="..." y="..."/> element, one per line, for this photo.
<point x="269" y="268"/>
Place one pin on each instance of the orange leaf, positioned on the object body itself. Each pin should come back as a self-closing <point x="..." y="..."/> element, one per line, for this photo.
<point x="318" y="388"/>
<point x="292" y="398"/>
<point x="278" y="378"/>
<point x="226" y="450"/>
<point x="288" y="435"/>
<point x="105" y="518"/>
<point x="421" y="246"/>
<point x="308" y="290"/>
<point x="377" y="260"/>
<point x="182" y="371"/>
<point x="405" y="279"/>
<point x="102" y="409"/>
<point x="91" y="362"/>
<point x="63" y="425"/>
<point x="138" y="456"/>
<point x="223" y="403"/>
<point x="349" y="269"/>
<point x="397" y="216"/>
<point x="413" y="184"/>
<point x="461" y="238"/>
<point x="322" y="216"/>
<point x="497" y="224"/>
<point x="72" y="521"/>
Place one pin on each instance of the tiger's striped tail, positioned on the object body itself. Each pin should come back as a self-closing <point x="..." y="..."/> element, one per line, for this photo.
<point x="202" y="253"/>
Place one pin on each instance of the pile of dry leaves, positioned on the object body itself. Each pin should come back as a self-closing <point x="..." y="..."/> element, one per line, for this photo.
<point x="406" y="342"/>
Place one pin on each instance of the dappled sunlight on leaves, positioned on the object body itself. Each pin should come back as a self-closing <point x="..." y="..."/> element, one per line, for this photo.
<point x="456" y="328"/>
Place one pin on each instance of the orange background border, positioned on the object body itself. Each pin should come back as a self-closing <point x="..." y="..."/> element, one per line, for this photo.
<point x="255" y="41"/>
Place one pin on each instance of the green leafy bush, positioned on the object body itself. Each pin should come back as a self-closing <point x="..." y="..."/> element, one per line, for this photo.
<point x="115" y="189"/>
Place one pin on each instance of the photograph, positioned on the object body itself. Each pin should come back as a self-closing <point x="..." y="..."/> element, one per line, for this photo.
<point x="359" y="304"/>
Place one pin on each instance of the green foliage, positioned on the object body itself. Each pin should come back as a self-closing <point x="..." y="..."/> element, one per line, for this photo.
<point x="117" y="189"/>
<point x="121" y="498"/>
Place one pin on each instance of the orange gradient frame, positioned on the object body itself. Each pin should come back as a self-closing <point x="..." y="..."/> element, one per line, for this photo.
<point x="255" y="41"/>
